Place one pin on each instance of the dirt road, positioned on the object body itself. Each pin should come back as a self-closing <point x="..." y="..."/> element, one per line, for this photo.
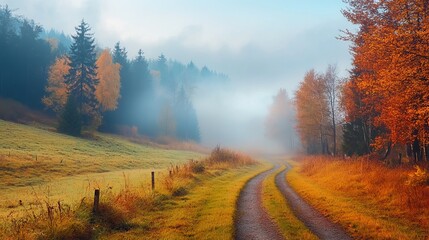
<point x="314" y="220"/>
<point x="253" y="222"/>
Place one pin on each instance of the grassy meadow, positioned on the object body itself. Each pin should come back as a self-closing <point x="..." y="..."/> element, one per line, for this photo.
<point x="38" y="162"/>
<point x="370" y="200"/>
<point x="48" y="181"/>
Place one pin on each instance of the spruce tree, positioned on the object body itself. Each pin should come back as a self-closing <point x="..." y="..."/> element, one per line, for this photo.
<point x="70" y="121"/>
<point x="82" y="77"/>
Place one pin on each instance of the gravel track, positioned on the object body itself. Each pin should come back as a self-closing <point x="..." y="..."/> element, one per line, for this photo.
<point x="313" y="219"/>
<point x="252" y="221"/>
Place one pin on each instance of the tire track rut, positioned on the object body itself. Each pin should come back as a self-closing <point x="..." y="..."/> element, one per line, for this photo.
<point x="321" y="226"/>
<point x="252" y="221"/>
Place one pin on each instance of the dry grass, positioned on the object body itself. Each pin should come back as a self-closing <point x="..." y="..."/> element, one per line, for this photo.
<point x="375" y="201"/>
<point x="122" y="210"/>
<point x="32" y="157"/>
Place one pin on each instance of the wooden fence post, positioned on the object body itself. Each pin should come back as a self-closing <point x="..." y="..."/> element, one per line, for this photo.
<point x="171" y="174"/>
<point x="96" y="200"/>
<point x="153" y="180"/>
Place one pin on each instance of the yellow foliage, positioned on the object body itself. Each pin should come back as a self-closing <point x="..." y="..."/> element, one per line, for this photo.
<point x="56" y="90"/>
<point x="108" y="88"/>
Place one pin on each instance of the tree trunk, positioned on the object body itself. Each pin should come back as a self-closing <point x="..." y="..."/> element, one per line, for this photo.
<point x="335" y="135"/>
<point x="386" y="154"/>
<point x="416" y="150"/>
<point x="409" y="150"/>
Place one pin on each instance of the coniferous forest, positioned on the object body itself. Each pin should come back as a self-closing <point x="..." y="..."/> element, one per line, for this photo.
<point x="52" y="72"/>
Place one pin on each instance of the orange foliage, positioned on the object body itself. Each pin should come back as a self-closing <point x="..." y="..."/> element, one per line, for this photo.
<point x="56" y="90"/>
<point x="391" y="66"/>
<point x="107" y="91"/>
<point x="312" y="109"/>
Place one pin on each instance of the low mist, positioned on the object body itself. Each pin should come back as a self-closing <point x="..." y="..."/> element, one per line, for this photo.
<point x="234" y="116"/>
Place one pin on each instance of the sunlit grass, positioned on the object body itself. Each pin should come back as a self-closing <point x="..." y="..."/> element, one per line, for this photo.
<point x="196" y="201"/>
<point x="206" y="212"/>
<point x="368" y="199"/>
<point x="279" y="210"/>
<point x="39" y="162"/>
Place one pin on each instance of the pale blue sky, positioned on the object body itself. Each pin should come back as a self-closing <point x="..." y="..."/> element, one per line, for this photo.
<point x="261" y="45"/>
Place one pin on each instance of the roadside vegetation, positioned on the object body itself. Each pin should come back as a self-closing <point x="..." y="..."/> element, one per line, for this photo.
<point x="194" y="196"/>
<point x="369" y="199"/>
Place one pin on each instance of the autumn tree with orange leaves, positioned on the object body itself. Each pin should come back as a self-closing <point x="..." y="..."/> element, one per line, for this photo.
<point x="312" y="113"/>
<point x="318" y="111"/>
<point x="56" y="89"/>
<point x="108" y="88"/>
<point x="390" y="72"/>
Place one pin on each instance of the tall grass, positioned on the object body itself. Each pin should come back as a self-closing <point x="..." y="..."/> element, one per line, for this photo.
<point x="48" y="219"/>
<point x="397" y="193"/>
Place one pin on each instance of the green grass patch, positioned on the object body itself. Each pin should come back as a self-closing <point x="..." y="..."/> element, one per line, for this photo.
<point x="280" y="212"/>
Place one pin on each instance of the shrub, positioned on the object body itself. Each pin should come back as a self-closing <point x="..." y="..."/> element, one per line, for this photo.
<point x="197" y="166"/>
<point x="112" y="216"/>
<point x="221" y="155"/>
<point x="418" y="178"/>
<point x="180" y="191"/>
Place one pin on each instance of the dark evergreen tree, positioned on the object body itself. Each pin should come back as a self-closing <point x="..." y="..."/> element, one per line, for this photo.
<point x="70" y="120"/>
<point x="143" y="97"/>
<point x="354" y="139"/>
<point x="24" y="59"/>
<point x="7" y="45"/>
<point x="33" y="61"/>
<point x="82" y="77"/>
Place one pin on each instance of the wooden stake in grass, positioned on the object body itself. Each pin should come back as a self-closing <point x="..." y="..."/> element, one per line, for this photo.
<point x="171" y="173"/>
<point x="96" y="200"/>
<point x="153" y="180"/>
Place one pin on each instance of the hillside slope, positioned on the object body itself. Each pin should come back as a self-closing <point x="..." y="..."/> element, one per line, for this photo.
<point x="38" y="160"/>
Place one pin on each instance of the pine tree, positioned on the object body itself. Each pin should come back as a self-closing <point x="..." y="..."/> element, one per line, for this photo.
<point x="82" y="77"/>
<point x="70" y="120"/>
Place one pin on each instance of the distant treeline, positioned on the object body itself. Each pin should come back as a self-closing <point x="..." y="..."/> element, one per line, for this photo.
<point x="155" y="95"/>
